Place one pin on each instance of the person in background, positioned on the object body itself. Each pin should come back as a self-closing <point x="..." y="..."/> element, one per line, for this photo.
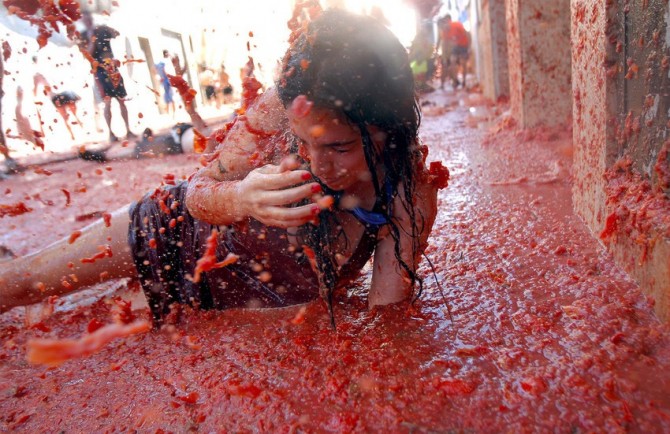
<point x="224" y="86"/>
<point x="163" y="69"/>
<point x="23" y="125"/>
<point x="454" y="47"/>
<point x="97" y="42"/>
<point x="206" y="78"/>
<point x="65" y="101"/>
<point x="421" y="60"/>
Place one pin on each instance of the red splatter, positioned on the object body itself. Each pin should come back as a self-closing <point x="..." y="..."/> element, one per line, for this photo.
<point x="73" y="237"/>
<point x="190" y="398"/>
<point x="311" y="256"/>
<point x="301" y="106"/>
<point x="67" y="196"/>
<point x="14" y="209"/>
<point x="105" y="252"/>
<point x="662" y="166"/>
<point x="88" y="216"/>
<point x="42" y="171"/>
<point x="208" y="260"/>
<point x="6" y="50"/>
<point x="455" y="387"/>
<point x="168" y="178"/>
<point x="46" y="15"/>
<point x="187" y="94"/>
<point x="199" y="141"/>
<point x="52" y="352"/>
<point x="438" y="175"/>
<point x="610" y="226"/>
<point x="250" y="88"/>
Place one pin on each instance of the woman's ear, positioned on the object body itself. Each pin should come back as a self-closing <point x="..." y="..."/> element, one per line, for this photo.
<point x="378" y="136"/>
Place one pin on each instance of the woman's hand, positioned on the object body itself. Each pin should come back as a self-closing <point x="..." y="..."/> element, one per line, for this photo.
<point x="232" y="187"/>
<point x="266" y="194"/>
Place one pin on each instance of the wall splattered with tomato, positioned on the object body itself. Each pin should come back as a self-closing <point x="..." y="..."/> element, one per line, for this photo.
<point x="494" y="71"/>
<point x="539" y="61"/>
<point x="620" y="111"/>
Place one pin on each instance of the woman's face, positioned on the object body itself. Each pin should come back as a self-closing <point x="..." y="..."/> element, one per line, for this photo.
<point x="333" y="147"/>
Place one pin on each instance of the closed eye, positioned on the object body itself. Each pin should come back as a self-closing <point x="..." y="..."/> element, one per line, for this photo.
<point x="342" y="147"/>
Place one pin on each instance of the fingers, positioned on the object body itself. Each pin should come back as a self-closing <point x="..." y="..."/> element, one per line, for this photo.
<point x="291" y="195"/>
<point x="276" y="178"/>
<point x="283" y="217"/>
<point x="290" y="162"/>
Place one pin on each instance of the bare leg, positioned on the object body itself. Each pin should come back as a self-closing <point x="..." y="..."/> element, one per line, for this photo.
<point x="63" y="113"/>
<point x="124" y="115"/>
<point x="73" y="110"/>
<point x="453" y="72"/>
<point x="39" y="119"/>
<point x="58" y="269"/>
<point x="108" y="118"/>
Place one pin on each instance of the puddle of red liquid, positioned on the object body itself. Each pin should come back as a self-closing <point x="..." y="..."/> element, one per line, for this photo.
<point x="542" y="331"/>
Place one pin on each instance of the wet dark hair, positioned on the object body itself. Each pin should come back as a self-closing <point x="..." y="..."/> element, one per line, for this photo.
<point x="355" y="65"/>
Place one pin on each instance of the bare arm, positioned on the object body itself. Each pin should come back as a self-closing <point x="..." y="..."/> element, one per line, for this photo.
<point x="65" y="267"/>
<point x="232" y="187"/>
<point x="39" y="79"/>
<point x="390" y="282"/>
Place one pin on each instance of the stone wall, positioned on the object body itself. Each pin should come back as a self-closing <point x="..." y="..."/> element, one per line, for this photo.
<point x="621" y="90"/>
<point x="492" y="33"/>
<point x="539" y="61"/>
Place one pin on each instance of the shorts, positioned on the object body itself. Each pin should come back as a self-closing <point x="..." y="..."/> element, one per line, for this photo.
<point x="210" y="91"/>
<point x="65" y="98"/>
<point x="268" y="272"/>
<point x="228" y="90"/>
<point x="167" y="93"/>
<point x="110" y="81"/>
<point x="460" y="53"/>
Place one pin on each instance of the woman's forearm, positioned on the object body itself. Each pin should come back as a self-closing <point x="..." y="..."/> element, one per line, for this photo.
<point x="213" y="201"/>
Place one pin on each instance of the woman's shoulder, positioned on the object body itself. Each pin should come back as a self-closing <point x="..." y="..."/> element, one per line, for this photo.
<point x="267" y="113"/>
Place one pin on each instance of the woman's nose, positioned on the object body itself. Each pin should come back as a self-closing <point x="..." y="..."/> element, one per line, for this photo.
<point x="321" y="163"/>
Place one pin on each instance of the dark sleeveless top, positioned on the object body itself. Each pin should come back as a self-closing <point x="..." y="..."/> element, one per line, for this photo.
<point x="270" y="272"/>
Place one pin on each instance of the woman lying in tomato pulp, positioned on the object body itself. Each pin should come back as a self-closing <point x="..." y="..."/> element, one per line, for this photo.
<point x="323" y="172"/>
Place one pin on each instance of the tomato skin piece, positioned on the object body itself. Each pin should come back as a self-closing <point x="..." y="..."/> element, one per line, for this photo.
<point x="438" y="174"/>
<point x="199" y="143"/>
<point x="14" y="209"/>
<point x="105" y="252"/>
<point x="73" y="237"/>
<point x="191" y="398"/>
<point x="611" y="224"/>
<point x="94" y="325"/>
<point x="208" y="260"/>
<point x="301" y="106"/>
<point x="67" y="197"/>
